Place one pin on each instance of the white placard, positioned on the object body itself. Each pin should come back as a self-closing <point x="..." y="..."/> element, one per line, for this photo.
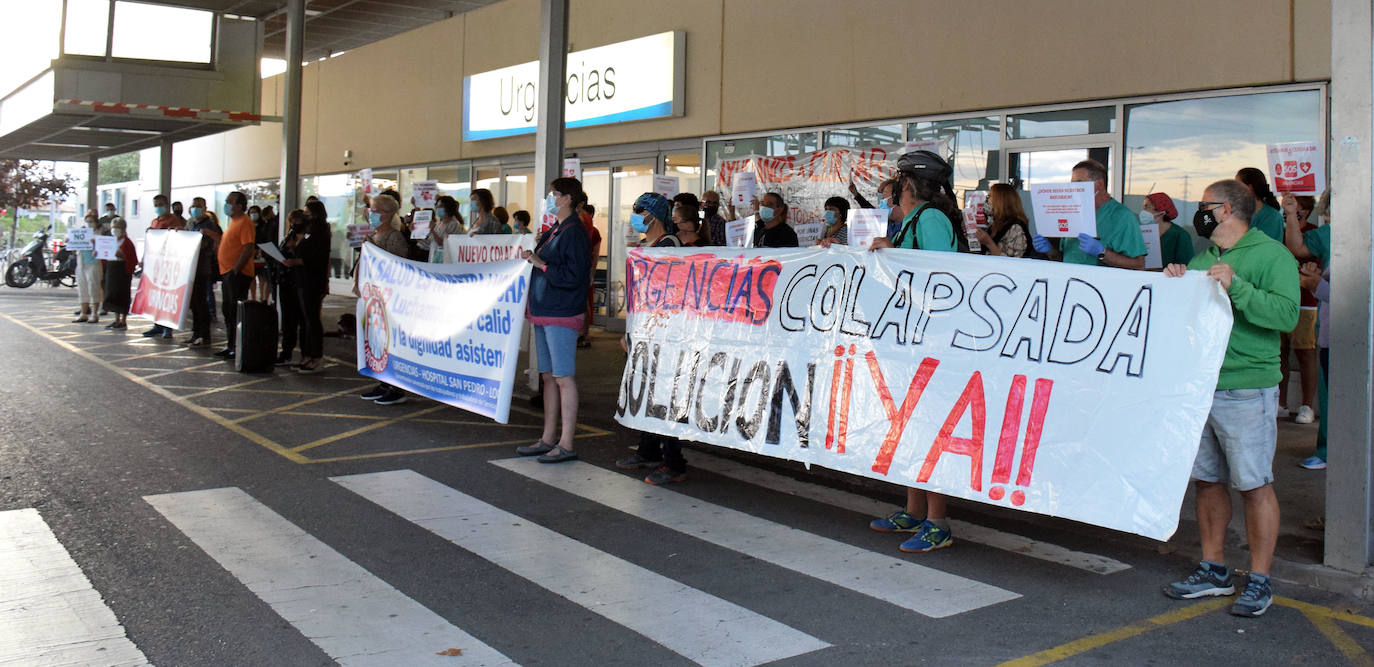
<point x="105" y="247"/>
<point x="866" y="224"/>
<point x="1064" y="209"/>
<point x="976" y="203"/>
<point x="270" y="249"/>
<point x="1154" y="258"/>
<point x="808" y="233"/>
<point x="357" y="234"/>
<point x="365" y="176"/>
<point x="79" y="238"/>
<point x="668" y="186"/>
<point x="420" y="222"/>
<point x="572" y="168"/>
<point x="745" y="189"/>
<point x="1297" y="167"/>
<point x="739" y="233"/>
<point x="425" y="193"/>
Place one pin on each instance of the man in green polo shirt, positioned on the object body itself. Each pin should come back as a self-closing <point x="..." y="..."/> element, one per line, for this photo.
<point x="1237" y="446"/>
<point x="1118" y="242"/>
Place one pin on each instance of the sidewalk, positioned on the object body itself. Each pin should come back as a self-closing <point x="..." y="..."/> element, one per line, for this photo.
<point x="1301" y="492"/>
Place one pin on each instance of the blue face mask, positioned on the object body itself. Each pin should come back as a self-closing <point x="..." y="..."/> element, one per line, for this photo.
<point x="197" y="211"/>
<point x="551" y="203"/>
<point x="884" y="204"/>
<point x="765" y="213"/>
<point x="160" y="211"/>
<point x="831" y="218"/>
<point x="375" y="219"/>
<point x="255" y="217"/>
<point x="228" y="210"/>
<point x="637" y="221"/>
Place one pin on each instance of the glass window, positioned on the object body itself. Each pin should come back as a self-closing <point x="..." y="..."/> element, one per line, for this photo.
<point x="489" y="178"/>
<point x="596" y="182"/>
<point x="406" y="185"/>
<point x="864" y="137"/>
<point x="31" y="50"/>
<point x="686" y="168"/>
<point x="1065" y="122"/>
<point x="522" y="193"/>
<point x="159" y="32"/>
<point x="454" y="181"/>
<point x="87" y="27"/>
<point x="628" y="183"/>
<point x="971" y="142"/>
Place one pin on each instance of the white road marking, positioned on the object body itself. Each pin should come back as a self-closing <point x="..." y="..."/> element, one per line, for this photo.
<point x="49" y="612"/>
<point x="696" y="625"/>
<point x="350" y="614"/>
<point x="854" y="502"/>
<point x="906" y="584"/>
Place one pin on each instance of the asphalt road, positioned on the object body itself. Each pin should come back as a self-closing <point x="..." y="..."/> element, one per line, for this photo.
<point x="275" y="519"/>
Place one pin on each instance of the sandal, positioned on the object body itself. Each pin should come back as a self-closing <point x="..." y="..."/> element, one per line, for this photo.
<point x="540" y="447"/>
<point x="558" y="455"/>
<point x="308" y="367"/>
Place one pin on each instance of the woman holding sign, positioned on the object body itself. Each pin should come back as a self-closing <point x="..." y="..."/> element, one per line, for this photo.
<point x="391" y="236"/>
<point x="556" y="308"/>
<point x="119" y="274"/>
<point x="1008" y="233"/>
<point x="88" y="277"/>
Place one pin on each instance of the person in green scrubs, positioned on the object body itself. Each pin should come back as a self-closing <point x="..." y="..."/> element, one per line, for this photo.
<point x="1267" y="217"/>
<point x="1118" y="242"/>
<point x="1175" y="244"/>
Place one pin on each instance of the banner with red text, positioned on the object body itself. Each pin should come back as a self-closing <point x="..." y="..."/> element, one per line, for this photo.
<point x="1065" y="390"/>
<point x="169" y="269"/>
<point x="485" y="247"/>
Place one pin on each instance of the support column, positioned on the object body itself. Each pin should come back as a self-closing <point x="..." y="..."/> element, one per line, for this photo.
<point x="92" y="182"/>
<point x="1348" y="481"/>
<point x="290" y="185"/>
<point x="164" y="173"/>
<point x="548" y="137"/>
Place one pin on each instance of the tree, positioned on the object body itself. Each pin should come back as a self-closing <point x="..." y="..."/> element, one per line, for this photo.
<point x="119" y="168"/>
<point x="29" y="184"/>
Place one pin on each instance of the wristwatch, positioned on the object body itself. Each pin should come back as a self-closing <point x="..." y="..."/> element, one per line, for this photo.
<point x="1102" y="256"/>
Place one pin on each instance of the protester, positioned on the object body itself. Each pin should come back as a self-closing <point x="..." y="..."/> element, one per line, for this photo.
<point x="107" y="220"/>
<point x="338" y="243"/>
<point x="309" y="266"/>
<point x="522" y="222"/>
<point x="1267" y="217"/>
<point x="884" y="203"/>
<point x="178" y="211"/>
<point x="1302" y="340"/>
<point x="389" y="235"/>
<point x="836" y="221"/>
<point x="264" y="231"/>
<point x="284" y="289"/>
<point x="213" y="286"/>
<point x="236" y="260"/>
<point x="556" y="308"/>
<point x="715" y="222"/>
<point x="1314" y="246"/>
<point x="503" y="217"/>
<point x="772" y="230"/>
<point x="119" y="275"/>
<point x="662" y="453"/>
<point x="1175" y="245"/>
<point x="687" y="225"/>
<point x="88" y="277"/>
<point x="1008" y="232"/>
<point x="480" y="217"/>
<point x="164" y="219"/>
<point x="587" y="214"/>
<point x="924" y="197"/>
<point x="1240" y="435"/>
<point x="447" y="221"/>
<point x="205" y="276"/>
<point x="1118" y="242"/>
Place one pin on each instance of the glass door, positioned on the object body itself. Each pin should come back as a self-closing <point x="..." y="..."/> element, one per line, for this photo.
<point x="521" y="193"/>
<point x="596" y="182"/>
<point x="628" y="181"/>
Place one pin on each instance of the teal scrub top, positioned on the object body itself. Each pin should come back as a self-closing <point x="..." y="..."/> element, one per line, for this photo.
<point x="933" y="232"/>
<point x="1117" y="228"/>
<point x="1176" y="246"/>
<point x="1270" y="221"/>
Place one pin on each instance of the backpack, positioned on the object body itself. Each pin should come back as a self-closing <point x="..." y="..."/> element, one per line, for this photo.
<point x="956" y="224"/>
<point x="1031" y="252"/>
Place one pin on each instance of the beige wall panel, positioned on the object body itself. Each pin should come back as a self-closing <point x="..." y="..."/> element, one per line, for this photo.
<point x="252" y="153"/>
<point x="271" y="95"/>
<point x="198" y="161"/>
<point x="1311" y="40"/>
<point x="310" y="104"/>
<point x="988" y="53"/>
<point x="379" y="101"/>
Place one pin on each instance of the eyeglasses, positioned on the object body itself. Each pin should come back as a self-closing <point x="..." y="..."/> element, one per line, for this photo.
<point x="1210" y="203"/>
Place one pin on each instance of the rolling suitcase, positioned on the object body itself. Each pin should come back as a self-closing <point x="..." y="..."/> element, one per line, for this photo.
<point x="256" y="348"/>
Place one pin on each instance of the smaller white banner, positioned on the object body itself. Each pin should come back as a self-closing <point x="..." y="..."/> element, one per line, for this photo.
<point x="1297" y="167"/>
<point x="1154" y="259"/>
<point x="485" y="247"/>
<point x="1064" y="209"/>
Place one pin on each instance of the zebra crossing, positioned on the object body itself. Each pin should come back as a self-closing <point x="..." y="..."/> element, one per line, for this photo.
<point x="50" y="613"/>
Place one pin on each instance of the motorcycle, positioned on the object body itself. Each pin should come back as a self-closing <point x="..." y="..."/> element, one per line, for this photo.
<point x="36" y="262"/>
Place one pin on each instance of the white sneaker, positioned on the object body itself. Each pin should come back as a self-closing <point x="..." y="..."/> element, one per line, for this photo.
<point x="1305" y="415"/>
<point x="1284" y="413"/>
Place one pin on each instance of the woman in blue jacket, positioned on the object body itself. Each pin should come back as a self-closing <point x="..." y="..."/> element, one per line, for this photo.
<point x="557" y="306"/>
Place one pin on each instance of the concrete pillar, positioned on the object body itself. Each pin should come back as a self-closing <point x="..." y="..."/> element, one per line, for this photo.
<point x="290" y="185"/>
<point x="1348" y="481"/>
<point x="164" y="170"/>
<point x="92" y="181"/>
<point x="548" y="137"/>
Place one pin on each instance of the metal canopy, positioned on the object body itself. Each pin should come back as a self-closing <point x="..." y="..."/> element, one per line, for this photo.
<point x="78" y="137"/>
<point x="337" y="25"/>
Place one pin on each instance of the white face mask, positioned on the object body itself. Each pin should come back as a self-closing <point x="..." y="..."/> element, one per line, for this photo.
<point x="1146" y="217"/>
<point x="118" y="233"/>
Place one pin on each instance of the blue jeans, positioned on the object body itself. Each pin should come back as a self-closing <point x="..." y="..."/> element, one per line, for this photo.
<point x="556" y="349"/>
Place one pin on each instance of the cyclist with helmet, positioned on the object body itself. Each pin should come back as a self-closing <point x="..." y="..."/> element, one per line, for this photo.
<point x="923" y="194"/>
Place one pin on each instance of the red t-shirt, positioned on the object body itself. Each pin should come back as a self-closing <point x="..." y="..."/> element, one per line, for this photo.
<point x="168" y="221"/>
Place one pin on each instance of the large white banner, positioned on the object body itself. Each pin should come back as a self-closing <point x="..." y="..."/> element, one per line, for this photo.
<point x="1070" y="391"/>
<point x="169" y="269"/>
<point x="446" y="331"/>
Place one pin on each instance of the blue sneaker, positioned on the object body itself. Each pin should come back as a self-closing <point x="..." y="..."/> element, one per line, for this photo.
<point x="928" y="537"/>
<point x="898" y="522"/>
<point x="1313" y="463"/>
<point x="1254" y="600"/>
<point x="1203" y="582"/>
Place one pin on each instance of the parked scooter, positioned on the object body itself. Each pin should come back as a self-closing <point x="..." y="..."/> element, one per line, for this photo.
<point x="37" y="262"/>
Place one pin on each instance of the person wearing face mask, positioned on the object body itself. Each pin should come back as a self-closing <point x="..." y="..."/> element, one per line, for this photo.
<point x="836" y="221"/>
<point x="179" y="211"/>
<point x="1267" y="217"/>
<point x="447" y="221"/>
<point x="1313" y="246"/>
<point x="88" y="278"/>
<point x="263" y="232"/>
<point x="1238" y="441"/>
<point x="894" y="221"/>
<point x="687" y="226"/>
<point x="714" y="222"/>
<point x="1008" y="232"/>
<point x="1118" y="242"/>
<point x="201" y="221"/>
<point x="1175" y="245"/>
<point x="522" y="222"/>
<point x="587" y="214"/>
<point x="235" y="256"/>
<point x="481" y="220"/>
<point x="556" y="308"/>
<point x="119" y="275"/>
<point x="164" y="219"/>
<point x="772" y="230"/>
<point x="389" y="235"/>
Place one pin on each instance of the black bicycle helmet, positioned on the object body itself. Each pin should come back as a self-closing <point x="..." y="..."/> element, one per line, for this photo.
<point x="926" y="165"/>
